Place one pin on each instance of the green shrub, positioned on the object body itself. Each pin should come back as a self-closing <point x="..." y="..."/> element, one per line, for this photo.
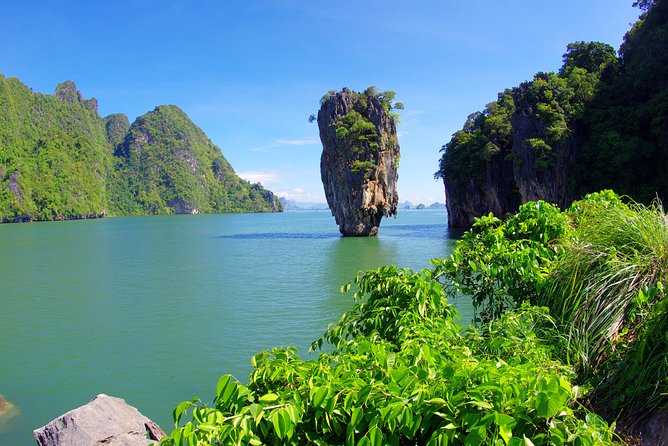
<point x="402" y="372"/>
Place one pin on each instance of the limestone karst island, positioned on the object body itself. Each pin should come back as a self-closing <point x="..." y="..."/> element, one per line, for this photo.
<point x="360" y="157"/>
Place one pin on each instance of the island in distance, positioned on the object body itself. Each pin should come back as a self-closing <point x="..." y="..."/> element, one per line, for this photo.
<point x="293" y="205"/>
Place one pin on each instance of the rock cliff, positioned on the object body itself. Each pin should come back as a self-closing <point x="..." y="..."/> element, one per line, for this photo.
<point x="541" y="162"/>
<point x="359" y="160"/>
<point x="477" y="166"/>
<point x="600" y="122"/>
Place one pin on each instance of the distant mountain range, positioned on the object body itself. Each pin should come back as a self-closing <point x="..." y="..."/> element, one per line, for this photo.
<point x="409" y="205"/>
<point x="292" y="205"/>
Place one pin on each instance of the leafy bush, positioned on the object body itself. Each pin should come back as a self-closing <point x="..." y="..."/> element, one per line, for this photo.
<point x="607" y="289"/>
<point x="402" y="372"/>
<point x="601" y="269"/>
<point x="501" y="264"/>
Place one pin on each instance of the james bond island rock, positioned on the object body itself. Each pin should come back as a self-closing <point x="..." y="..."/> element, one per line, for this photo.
<point x="104" y="421"/>
<point x="360" y="158"/>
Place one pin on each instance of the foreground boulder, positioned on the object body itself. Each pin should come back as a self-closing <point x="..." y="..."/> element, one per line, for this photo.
<point x="105" y="421"/>
<point x="360" y="157"/>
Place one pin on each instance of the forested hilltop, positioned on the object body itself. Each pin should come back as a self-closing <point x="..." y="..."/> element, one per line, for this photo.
<point x="600" y="122"/>
<point x="60" y="160"/>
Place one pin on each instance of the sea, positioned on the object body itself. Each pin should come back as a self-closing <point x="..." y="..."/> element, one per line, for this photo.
<point x="155" y="309"/>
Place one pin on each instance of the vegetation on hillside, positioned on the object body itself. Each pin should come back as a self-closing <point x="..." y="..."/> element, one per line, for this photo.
<point x="625" y="127"/>
<point x="53" y="156"/>
<point x="60" y="160"/>
<point x="166" y="162"/>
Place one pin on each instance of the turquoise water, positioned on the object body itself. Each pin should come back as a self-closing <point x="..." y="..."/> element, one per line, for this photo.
<point x="155" y="309"/>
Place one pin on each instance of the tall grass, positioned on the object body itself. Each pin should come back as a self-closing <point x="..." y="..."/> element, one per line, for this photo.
<point x="607" y="291"/>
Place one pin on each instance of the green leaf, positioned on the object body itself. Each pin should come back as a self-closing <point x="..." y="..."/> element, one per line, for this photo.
<point x="436" y="402"/>
<point x="179" y="410"/>
<point x="319" y="396"/>
<point x="268" y="398"/>
<point x="356" y="416"/>
<point x="481" y="405"/>
<point x="506" y="424"/>
<point x="226" y="390"/>
<point x="375" y="436"/>
<point x="257" y="412"/>
<point x="279" y="424"/>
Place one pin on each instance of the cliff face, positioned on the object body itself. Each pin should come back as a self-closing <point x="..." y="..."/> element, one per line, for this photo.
<point x="477" y="166"/>
<point x="359" y="161"/>
<point x="520" y="148"/>
<point x="541" y="163"/>
<point x="493" y="193"/>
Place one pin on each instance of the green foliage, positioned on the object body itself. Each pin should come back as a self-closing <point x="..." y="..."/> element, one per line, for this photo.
<point x="602" y="118"/>
<point x="601" y="269"/>
<point x="361" y="138"/>
<point x="53" y="157"/>
<point x="402" y="372"/>
<point x="357" y="132"/>
<point x="624" y="131"/>
<point x="166" y="159"/>
<point x="618" y="253"/>
<point x="593" y="57"/>
<point x="501" y="264"/>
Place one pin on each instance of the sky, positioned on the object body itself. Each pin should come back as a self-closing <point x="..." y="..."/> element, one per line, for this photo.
<point x="250" y="73"/>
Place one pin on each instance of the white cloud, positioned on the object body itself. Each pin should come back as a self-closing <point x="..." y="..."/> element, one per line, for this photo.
<point x="295" y="142"/>
<point x="409" y="113"/>
<point x="259" y="176"/>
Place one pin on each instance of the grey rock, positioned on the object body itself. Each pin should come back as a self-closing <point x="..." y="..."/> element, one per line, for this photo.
<point x="106" y="420"/>
<point x="358" y="198"/>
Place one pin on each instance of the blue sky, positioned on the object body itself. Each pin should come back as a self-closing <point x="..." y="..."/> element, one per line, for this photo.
<point x="250" y="73"/>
